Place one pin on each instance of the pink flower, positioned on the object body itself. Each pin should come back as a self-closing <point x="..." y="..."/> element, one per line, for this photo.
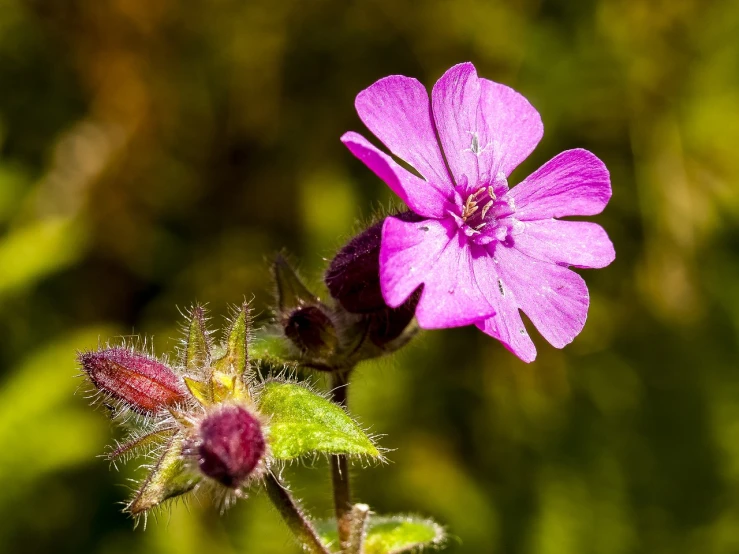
<point x="484" y="252"/>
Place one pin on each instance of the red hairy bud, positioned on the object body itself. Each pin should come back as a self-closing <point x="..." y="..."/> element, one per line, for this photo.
<point x="138" y="381"/>
<point x="231" y="445"/>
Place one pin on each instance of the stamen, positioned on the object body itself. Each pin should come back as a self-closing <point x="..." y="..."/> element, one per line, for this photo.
<point x="486" y="208"/>
<point x="480" y="226"/>
<point x="471" y="205"/>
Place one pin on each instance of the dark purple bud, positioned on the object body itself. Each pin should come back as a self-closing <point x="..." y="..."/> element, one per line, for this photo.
<point x="311" y="330"/>
<point x="139" y="382"/>
<point x="231" y="445"/>
<point x="353" y="277"/>
<point x="388" y="324"/>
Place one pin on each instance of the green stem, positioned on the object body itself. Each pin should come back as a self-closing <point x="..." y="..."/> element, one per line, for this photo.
<point x="293" y="516"/>
<point x="340" y="466"/>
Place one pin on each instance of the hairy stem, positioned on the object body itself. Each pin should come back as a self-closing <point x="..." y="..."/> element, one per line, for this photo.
<point x="340" y="467"/>
<point x="293" y="516"/>
<point x="358" y="519"/>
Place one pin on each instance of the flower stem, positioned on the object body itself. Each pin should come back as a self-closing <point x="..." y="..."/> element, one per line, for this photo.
<point x="340" y="466"/>
<point x="293" y="516"/>
<point x="358" y="519"/>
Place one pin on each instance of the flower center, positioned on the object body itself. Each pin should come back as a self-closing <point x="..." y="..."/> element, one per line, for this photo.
<point x="486" y="214"/>
<point x="472" y="214"/>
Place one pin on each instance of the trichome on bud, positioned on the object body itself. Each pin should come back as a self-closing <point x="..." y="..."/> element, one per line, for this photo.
<point x="133" y="380"/>
<point x="230" y="445"/>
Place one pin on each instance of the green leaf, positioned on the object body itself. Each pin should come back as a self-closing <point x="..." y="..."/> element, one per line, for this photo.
<point x="168" y="478"/>
<point x="270" y="348"/>
<point x="303" y="422"/>
<point x="197" y="355"/>
<point x="391" y="535"/>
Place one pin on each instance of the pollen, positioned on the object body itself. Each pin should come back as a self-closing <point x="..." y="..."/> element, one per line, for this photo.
<point x="471" y="206"/>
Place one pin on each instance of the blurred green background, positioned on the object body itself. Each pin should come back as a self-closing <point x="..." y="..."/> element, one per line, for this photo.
<point x="154" y="153"/>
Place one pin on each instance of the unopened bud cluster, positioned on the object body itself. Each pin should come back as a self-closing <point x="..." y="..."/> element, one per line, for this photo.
<point x="357" y="324"/>
<point x="199" y="411"/>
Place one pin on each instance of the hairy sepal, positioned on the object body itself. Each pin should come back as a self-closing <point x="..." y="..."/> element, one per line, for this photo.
<point x="231" y="371"/>
<point x="197" y="350"/>
<point x="139" y="443"/>
<point x="169" y="477"/>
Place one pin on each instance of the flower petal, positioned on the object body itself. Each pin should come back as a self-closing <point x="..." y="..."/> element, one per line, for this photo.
<point x="407" y="252"/>
<point x="485" y="128"/>
<point x="575" y="182"/>
<point x="396" y="109"/>
<point x="509" y="128"/>
<point x="506" y="325"/>
<point x="455" y="99"/>
<point x="419" y="195"/>
<point x="574" y="243"/>
<point x="433" y="253"/>
<point x="555" y="298"/>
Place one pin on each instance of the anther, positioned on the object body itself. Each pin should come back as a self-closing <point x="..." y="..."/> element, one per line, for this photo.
<point x="486" y="208"/>
<point x="470" y="207"/>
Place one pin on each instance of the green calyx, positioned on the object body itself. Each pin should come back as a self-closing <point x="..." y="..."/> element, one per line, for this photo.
<point x="168" y="478"/>
<point x="223" y="378"/>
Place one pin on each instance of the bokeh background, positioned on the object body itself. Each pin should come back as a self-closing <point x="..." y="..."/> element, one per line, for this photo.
<point x="154" y="153"/>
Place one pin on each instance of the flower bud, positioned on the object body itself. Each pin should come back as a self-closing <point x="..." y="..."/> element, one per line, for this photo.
<point x="353" y="277"/>
<point x="304" y="319"/>
<point x="139" y="382"/>
<point x="312" y="331"/>
<point x="388" y="324"/>
<point x="231" y="445"/>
